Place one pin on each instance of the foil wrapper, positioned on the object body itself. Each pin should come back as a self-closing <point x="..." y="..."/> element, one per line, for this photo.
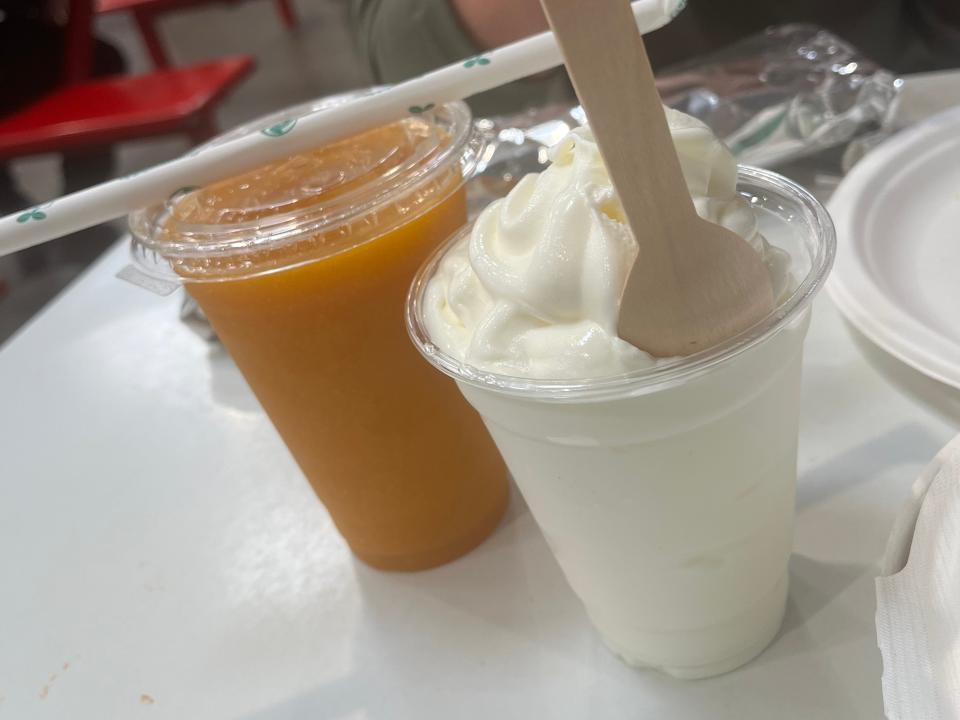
<point x="778" y="97"/>
<point x="786" y="93"/>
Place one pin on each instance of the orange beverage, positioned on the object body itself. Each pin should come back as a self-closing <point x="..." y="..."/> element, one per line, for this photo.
<point x="302" y="267"/>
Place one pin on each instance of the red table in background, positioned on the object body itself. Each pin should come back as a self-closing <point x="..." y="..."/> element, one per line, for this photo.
<point x="145" y="13"/>
<point x="86" y="113"/>
<point x="181" y="100"/>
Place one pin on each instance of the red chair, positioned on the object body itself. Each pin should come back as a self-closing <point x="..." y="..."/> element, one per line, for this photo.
<point x="145" y="13"/>
<point x="123" y="108"/>
<point x="89" y="113"/>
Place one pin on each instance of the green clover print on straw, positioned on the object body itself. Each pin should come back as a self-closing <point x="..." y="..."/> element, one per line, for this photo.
<point x="420" y="109"/>
<point x="34" y="213"/>
<point x="476" y="60"/>
<point x="281" y="128"/>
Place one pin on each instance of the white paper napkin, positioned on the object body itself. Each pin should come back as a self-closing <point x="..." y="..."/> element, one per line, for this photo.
<point x="918" y="598"/>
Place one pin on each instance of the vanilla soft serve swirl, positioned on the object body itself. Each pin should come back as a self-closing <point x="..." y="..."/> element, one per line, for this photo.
<point x="534" y="291"/>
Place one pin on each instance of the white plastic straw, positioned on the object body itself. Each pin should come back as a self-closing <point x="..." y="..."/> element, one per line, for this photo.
<point x="463" y="79"/>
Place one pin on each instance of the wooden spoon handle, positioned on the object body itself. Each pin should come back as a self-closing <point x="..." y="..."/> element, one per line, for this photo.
<point x="611" y="73"/>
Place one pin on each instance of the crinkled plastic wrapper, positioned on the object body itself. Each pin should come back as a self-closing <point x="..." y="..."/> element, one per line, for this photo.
<point x="775" y="97"/>
<point x="788" y="92"/>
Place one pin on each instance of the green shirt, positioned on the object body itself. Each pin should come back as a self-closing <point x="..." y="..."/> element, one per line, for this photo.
<point x="401" y="39"/>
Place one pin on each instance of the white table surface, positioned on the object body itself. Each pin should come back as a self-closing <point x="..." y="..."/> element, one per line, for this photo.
<point x="162" y="557"/>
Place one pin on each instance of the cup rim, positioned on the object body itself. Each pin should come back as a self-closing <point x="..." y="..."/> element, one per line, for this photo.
<point x="664" y="374"/>
<point x="153" y="255"/>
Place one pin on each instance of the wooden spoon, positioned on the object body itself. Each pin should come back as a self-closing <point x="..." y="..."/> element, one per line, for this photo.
<point x="695" y="283"/>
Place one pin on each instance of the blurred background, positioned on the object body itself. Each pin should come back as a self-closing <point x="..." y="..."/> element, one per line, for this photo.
<point x="96" y="89"/>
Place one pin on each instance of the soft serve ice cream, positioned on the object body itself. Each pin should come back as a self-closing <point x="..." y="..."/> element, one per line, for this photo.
<point x="667" y="498"/>
<point x="534" y="291"/>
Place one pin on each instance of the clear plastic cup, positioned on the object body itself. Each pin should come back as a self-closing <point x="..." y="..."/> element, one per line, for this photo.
<point x="302" y="267"/>
<point x="667" y="494"/>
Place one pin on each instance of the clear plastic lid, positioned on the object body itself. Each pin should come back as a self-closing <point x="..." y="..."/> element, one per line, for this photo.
<point x="309" y="205"/>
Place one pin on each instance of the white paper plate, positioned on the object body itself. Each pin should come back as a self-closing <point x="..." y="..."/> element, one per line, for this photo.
<point x="897" y="273"/>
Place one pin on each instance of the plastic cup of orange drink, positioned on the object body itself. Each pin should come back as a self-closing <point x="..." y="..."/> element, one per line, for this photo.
<point x="302" y="268"/>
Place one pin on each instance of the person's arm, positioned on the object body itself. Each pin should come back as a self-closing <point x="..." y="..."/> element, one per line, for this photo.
<point x="492" y="23"/>
<point x="403" y="38"/>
